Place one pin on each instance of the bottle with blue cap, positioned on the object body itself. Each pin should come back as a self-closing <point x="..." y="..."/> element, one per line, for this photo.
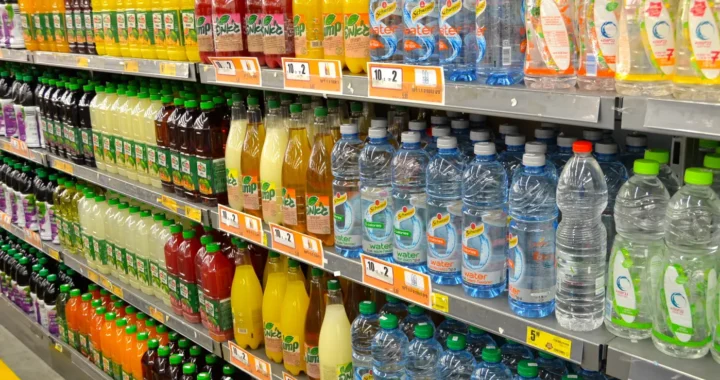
<point x="416" y="315"/>
<point x="491" y="366"/>
<point x="420" y="127"/>
<point x="527" y="370"/>
<point x="547" y="136"/>
<point x="455" y="362"/>
<point x="479" y="135"/>
<point x="477" y="340"/>
<point x="666" y="175"/>
<point x="423" y="353"/>
<point x="564" y="152"/>
<point x="615" y="176"/>
<point x="593" y="135"/>
<point x="389" y="349"/>
<point x="511" y="158"/>
<point x="346" y="192"/>
<point x="484" y="224"/>
<point x="362" y="331"/>
<point x="686" y="283"/>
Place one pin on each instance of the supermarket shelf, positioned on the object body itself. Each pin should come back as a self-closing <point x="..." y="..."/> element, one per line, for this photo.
<point x="628" y="360"/>
<point x="584" y="109"/>
<point x="11" y="146"/>
<point x="15" y="55"/>
<point x="275" y="368"/>
<point x="669" y="116"/>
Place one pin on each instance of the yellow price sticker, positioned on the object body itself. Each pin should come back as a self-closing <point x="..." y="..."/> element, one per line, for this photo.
<point x="58" y="347"/>
<point x="545" y="341"/>
<point x="63" y="166"/>
<point x="168" y="69"/>
<point x="441" y="302"/>
<point x="82" y="62"/>
<point x="106" y="283"/>
<point x="117" y="290"/>
<point x="157" y="314"/>
<point x="193" y="213"/>
<point x="131" y="66"/>
<point x="169" y="203"/>
<point x="54" y="254"/>
<point x="93" y="276"/>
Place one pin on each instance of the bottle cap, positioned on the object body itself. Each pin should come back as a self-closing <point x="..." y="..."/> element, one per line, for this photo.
<point x="378" y="122"/>
<point x="388" y="321"/>
<point x="581" y="146"/>
<point x="142" y="336"/>
<point x="348" y="129"/>
<point x="536" y="147"/>
<point x="50" y="278"/>
<point x="191" y="103"/>
<point x="292" y="263"/>
<point x="131" y="329"/>
<point x="475" y="118"/>
<point x="650" y="167"/>
<point x="320" y="112"/>
<point x="712" y="161"/>
<point x="296" y="108"/>
<point x="153" y="344"/>
<point x="176" y="359"/>
<point x="506" y="129"/>
<point x="100" y="310"/>
<point x="356" y="107"/>
<point x="183" y="343"/>
<point x="697" y="176"/>
<point x="417" y="125"/>
<point x="533" y="159"/>
<point x="163" y="351"/>
<point x="491" y="354"/>
<point x="195" y="351"/>
<point x="189" y="234"/>
<point x="122" y="322"/>
<point x="391" y="299"/>
<point x="96" y="303"/>
<point x="440" y="131"/>
<point x="203" y="376"/>
<point x="708" y="144"/>
<point x="636" y="140"/>
<point x="86" y="297"/>
<point x="64" y="288"/>
<point x="592" y="134"/>
<point x="438" y="120"/>
<point x="460" y="124"/>
<point x="416" y="310"/>
<point x="206" y="106"/>
<point x="447" y="142"/>
<point x="545" y="355"/>
<point x="514" y="139"/>
<point x="410" y="137"/>
<point x="479" y="135"/>
<point x="456" y="342"/>
<point x="109" y="316"/>
<point x="75" y="293"/>
<point x="662" y="156"/>
<point x="377" y="133"/>
<point x="424" y="330"/>
<point x="206" y="239"/>
<point x="453" y="114"/>
<point x="333" y="285"/>
<point x="544" y="133"/>
<point x="367" y="307"/>
<point x="228" y="370"/>
<point x="606" y="148"/>
<point x="211" y="359"/>
<point x="273" y="104"/>
<point x="213" y="247"/>
<point x="273" y="254"/>
<point x="528" y="369"/>
<point x="316" y="272"/>
<point x="476" y="330"/>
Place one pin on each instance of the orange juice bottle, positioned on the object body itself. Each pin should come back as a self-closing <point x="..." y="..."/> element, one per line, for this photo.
<point x="39" y="24"/>
<point x="141" y="346"/>
<point x="97" y="25"/>
<point x="72" y="309"/>
<point x="250" y="158"/>
<point x="107" y="342"/>
<point x="121" y="17"/>
<point x="187" y="19"/>
<point x="110" y="28"/>
<point x="318" y="206"/>
<point x="57" y="7"/>
<point x="174" y="39"/>
<point x="163" y="335"/>
<point x="151" y="329"/>
<point x="96" y="328"/>
<point x="118" y="347"/>
<point x="357" y="34"/>
<point x="140" y="321"/>
<point x="48" y="26"/>
<point x="84" y="315"/>
<point x="129" y="353"/>
<point x="27" y="13"/>
<point x="146" y="33"/>
<point x="130" y="315"/>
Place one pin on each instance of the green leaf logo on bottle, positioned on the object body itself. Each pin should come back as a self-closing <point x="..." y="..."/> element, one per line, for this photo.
<point x="300" y="28"/>
<point x="345" y="371"/>
<point x="290" y="345"/>
<point x="316" y="207"/>
<point x="355" y="26"/>
<point x="332" y="28"/>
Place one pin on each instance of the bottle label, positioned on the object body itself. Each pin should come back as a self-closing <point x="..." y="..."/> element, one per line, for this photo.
<point x="142" y="267"/>
<point x="146" y="33"/>
<point x="80" y="35"/>
<point x="289" y="207"/>
<point x="317" y="211"/>
<point x="269" y="198"/>
<point x="163" y="162"/>
<point x="210" y="176"/>
<point x="129" y="154"/>
<point x="255" y="30"/>
<point x="274" y="34"/>
<point x="333" y="34"/>
<point x="219" y="314"/>
<point x="131" y="260"/>
<point x="291" y="351"/>
<point x="28" y="28"/>
<point x="188" y="167"/>
<point x="88" y="246"/>
<point x="204" y="28"/>
<point x="444" y="238"/>
<point x="49" y="27"/>
<point x="377" y="221"/>
<point x="40" y="27"/>
<point x="175" y="166"/>
<point x="117" y="370"/>
<point x="347" y="219"/>
<point x="701" y="27"/>
<point x="187" y="16"/>
<point x="173" y="34"/>
<point x="601" y="55"/>
<point x="100" y="249"/>
<point x="97" y="141"/>
<point x="154" y="274"/>
<point x="70" y="28"/>
<point x="164" y="280"/>
<point x="622" y="290"/>
<point x="659" y="33"/>
<point x="110" y="252"/>
<point x="52" y="320"/>
<point x="110" y="24"/>
<point x="531" y="263"/>
<point x="140" y="158"/>
<point x="357" y="35"/>
<point x="189" y="298"/>
<point x="88" y="26"/>
<point x="120" y="151"/>
<point x="151" y="157"/>
<point x="175" y="299"/>
<point x="87" y="142"/>
<point x="108" y="148"/>
<point x="484" y="247"/>
<point x="409" y="229"/>
<point x="385" y="36"/>
<point x="121" y="259"/>
<point x="232" y="184"/>
<point x="83" y="343"/>
<point x="158" y="28"/>
<point x="301" y="35"/>
<point x="131" y="20"/>
<point x="74" y="140"/>
<point x="312" y="361"/>
<point x="228" y="32"/>
<point x="251" y="193"/>
<point x="481" y="26"/>
<point x="420" y="19"/>
<point x="556" y="38"/>
<point x="273" y="338"/>
<point x="98" y="26"/>
<point x="97" y="357"/>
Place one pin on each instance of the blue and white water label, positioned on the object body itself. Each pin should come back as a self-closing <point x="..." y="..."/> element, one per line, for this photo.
<point x="409" y="229"/>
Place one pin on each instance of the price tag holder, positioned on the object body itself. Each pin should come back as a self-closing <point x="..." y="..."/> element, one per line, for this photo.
<point x="169" y="69"/>
<point x="240" y="224"/>
<point x="314" y="75"/>
<point x="106" y="283"/>
<point x="157" y="314"/>
<point x="237" y="70"/>
<point x="287" y="376"/>
<point x="420" y="84"/>
<point x="545" y="341"/>
<point x="193" y="213"/>
<point x="403" y="282"/>
<point x="168" y="202"/>
<point x="293" y="243"/>
<point x="33" y="238"/>
<point x="54" y="254"/>
<point x="63" y="166"/>
<point x="131" y="66"/>
<point x="249" y="363"/>
<point x="19" y="148"/>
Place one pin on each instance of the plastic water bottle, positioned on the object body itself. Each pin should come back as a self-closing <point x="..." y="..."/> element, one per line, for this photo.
<point x="537" y="147"/>
<point x="437" y="132"/>
<point x="423" y="353"/>
<point x="420" y="32"/>
<point x="346" y="191"/>
<point x="504" y="130"/>
<point x="491" y="366"/>
<point x="527" y="370"/>
<point x="666" y="175"/>
<point x="389" y="350"/>
<point x="420" y="127"/>
<point x="687" y="272"/>
<point x="707" y="147"/>
<point x="457" y="47"/>
<point x="477" y="340"/>
<point x="547" y="136"/>
<point x="550" y="57"/>
<point x="615" y="176"/>
<point x="444" y="191"/>
<point x="416" y="316"/>
<point x="512" y="157"/>
<point x="439" y="121"/>
<point x="586" y="374"/>
<point x="712" y="163"/>
<point x="564" y="152"/>
<point x="484" y="227"/>
<point x="362" y="331"/>
<point x="582" y="195"/>
<point x="513" y="353"/>
<point x="531" y="239"/>
<point x="386" y="31"/>
<point x="395" y="307"/>
<point x="477" y="121"/>
<point x="447" y="327"/>
<point x="593" y="135"/>
<point x="460" y="128"/>
<point x="376" y="195"/>
<point x="409" y="165"/>
<point x="550" y="367"/>
<point x="455" y="362"/>
<point x="635" y="146"/>
<point x="479" y="135"/>
<point x="640" y="220"/>
<point x="500" y="46"/>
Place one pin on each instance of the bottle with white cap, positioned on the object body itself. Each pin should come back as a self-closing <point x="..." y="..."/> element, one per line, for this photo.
<point x="375" y="192"/>
<point x="484" y="227"/>
<point x="635" y="146"/>
<point x="479" y="135"/>
<point x="615" y="176"/>
<point x="398" y="121"/>
<point x="564" y="152"/>
<point x="666" y="175"/>
<point x="409" y="165"/>
<point x="439" y="121"/>
<point x="461" y="130"/>
<point x="420" y="126"/>
<point x="381" y="122"/>
<point x="346" y="192"/>
<point x="531" y="239"/>
<point x="511" y="158"/>
<point x="504" y="129"/>
<point x="592" y="135"/>
<point x="547" y="136"/>
<point x="437" y="132"/>
<point x="444" y="198"/>
<point x="538" y="147"/>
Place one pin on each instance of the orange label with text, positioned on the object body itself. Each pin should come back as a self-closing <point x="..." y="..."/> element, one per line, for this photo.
<point x="16" y="147"/>
<point x="403" y="282"/>
<point x="5" y="221"/>
<point x="240" y="224"/>
<point x="424" y="84"/>
<point x="293" y="243"/>
<point x="242" y="70"/>
<point x="320" y="75"/>
<point x="33" y="238"/>
<point x="249" y="363"/>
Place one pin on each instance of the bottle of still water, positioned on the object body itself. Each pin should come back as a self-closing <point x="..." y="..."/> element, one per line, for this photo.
<point x="362" y="331"/>
<point x="437" y="132"/>
<point x="564" y="152"/>
<point x="504" y="130"/>
<point x="635" y="146"/>
<point x="423" y="353"/>
<point x="458" y="48"/>
<point x="547" y="136"/>
<point x="581" y="242"/>
<point x="420" y="19"/>
<point x="551" y="54"/>
<point x="500" y="46"/>
<point x="346" y="192"/>
<point x="455" y="362"/>
<point x="491" y="366"/>
<point x="615" y="176"/>
<point x="386" y="31"/>
<point x="538" y="147"/>
<point x="479" y="135"/>
<point x="389" y="349"/>
<point x="420" y="127"/>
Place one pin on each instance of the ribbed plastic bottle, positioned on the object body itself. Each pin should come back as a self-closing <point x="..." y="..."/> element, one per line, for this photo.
<point x="666" y="175"/>
<point x="504" y="130"/>
<point x="537" y="147"/>
<point x="363" y="329"/>
<point x="416" y="316"/>
<point x="491" y="366"/>
<point x="550" y="367"/>
<point x="455" y="362"/>
<point x="477" y="340"/>
<point x="512" y="156"/>
<point x="447" y="327"/>
<point x="513" y="353"/>
<point x="547" y="136"/>
<point x="436" y="133"/>
<point x="711" y="162"/>
<point x="389" y="349"/>
<point x="375" y="192"/>
<point x="346" y="192"/>
<point x="615" y="176"/>
<point x="582" y="195"/>
<point x="423" y="353"/>
<point x="527" y="370"/>
<point x="500" y="47"/>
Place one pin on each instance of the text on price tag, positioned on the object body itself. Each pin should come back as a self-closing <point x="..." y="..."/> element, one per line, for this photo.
<point x="242" y="70"/>
<point x="424" y="84"/>
<point x="548" y="342"/>
<point x="249" y="362"/>
<point x="63" y="166"/>
<point x="293" y="243"/>
<point x="33" y="238"/>
<point x="403" y="282"/>
<point x="5" y="221"/>
<point x="317" y="75"/>
<point x="240" y="224"/>
<point x="20" y="148"/>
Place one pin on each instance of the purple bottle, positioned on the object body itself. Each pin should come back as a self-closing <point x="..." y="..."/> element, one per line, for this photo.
<point x="8" y="112"/>
<point x="22" y="279"/>
<point x="27" y="113"/>
<point x="27" y="210"/>
<point x="11" y="192"/>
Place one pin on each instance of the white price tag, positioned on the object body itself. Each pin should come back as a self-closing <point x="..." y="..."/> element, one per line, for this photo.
<point x="414" y="281"/>
<point x="379" y="271"/>
<point x="297" y="71"/>
<point x="283" y="237"/>
<point x="240" y="355"/>
<point x="425" y="77"/>
<point x="229" y="218"/>
<point x="387" y="78"/>
<point x="225" y="67"/>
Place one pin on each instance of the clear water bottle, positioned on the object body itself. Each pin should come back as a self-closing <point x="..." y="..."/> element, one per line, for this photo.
<point x="362" y="331"/>
<point x="457" y="47"/>
<point x="640" y="221"/>
<point x="416" y="316"/>
<point x="447" y="327"/>
<point x="551" y="54"/>
<point x="389" y="350"/>
<point x="504" y="130"/>
<point x="479" y="135"/>
<point x="491" y="367"/>
<point x="598" y="39"/>
<point x="527" y="370"/>
<point x="537" y="147"/>
<point x="455" y="362"/>
<point x="410" y="203"/>
<point x="376" y="194"/>
<point x="513" y="353"/>
<point x="563" y="153"/>
<point x="511" y="158"/>
<point x="712" y="163"/>
<point x="582" y="195"/>
<point x="420" y="127"/>
<point x="477" y="340"/>
<point x="547" y="136"/>
<point x="500" y="46"/>
<point x="346" y="192"/>
<point x="484" y="226"/>
<point x="666" y="175"/>
<point x="437" y="132"/>
<point x="460" y="128"/>
<point x="593" y="135"/>
<point x="616" y="175"/>
<point x="635" y="146"/>
<point x="531" y="239"/>
<point x="420" y="32"/>
<point x="707" y="147"/>
<point x="444" y="191"/>
<point x="687" y="273"/>
<point x="395" y="307"/>
<point x="423" y="353"/>
<point x="586" y="374"/>
<point x="386" y="31"/>
<point x="439" y="121"/>
<point x="550" y="367"/>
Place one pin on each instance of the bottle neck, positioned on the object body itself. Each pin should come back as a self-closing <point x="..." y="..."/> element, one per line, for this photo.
<point x="534" y="169"/>
<point x="486" y="158"/>
<point x="411" y="146"/>
<point x="335" y="297"/>
<point x="516" y="148"/>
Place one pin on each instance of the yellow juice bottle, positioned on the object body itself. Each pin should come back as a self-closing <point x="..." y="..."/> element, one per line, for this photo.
<point x="95" y="121"/>
<point x="294" y="171"/>
<point x="110" y="28"/>
<point x="41" y="33"/>
<point x="187" y="19"/>
<point x="250" y="158"/>
<point x="48" y="25"/>
<point x="333" y="17"/>
<point x="319" y="210"/>
<point x="146" y="33"/>
<point x="148" y="169"/>
<point x="271" y="161"/>
<point x="272" y="307"/>
<point x="174" y="39"/>
<point x="97" y="25"/>
<point x="138" y="156"/>
<point x="120" y="15"/>
<point x="335" y="346"/>
<point x="307" y="21"/>
<point x="158" y="25"/>
<point x="246" y="299"/>
<point x="27" y="13"/>
<point x="356" y="34"/>
<point x="57" y="8"/>
<point x="131" y="13"/>
<point x="114" y="124"/>
<point x="125" y="130"/>
<point x="106" y="118"/>
<point x="233" y="152"/>
<point x="294" y="311"/>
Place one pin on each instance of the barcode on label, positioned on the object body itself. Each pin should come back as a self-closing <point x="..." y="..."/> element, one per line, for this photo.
<point x="590" y="65"/>
<point x="425" y="77"/>
<point x="413" y="280"/>
<point x="506" y="53"/>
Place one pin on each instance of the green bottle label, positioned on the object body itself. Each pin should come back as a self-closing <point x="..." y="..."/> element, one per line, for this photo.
<point x="141" y="161"/>
<point x="164" y="279"/>
<point x="219" y="314"/>
<point x="129" y="152"/>
<point x="155" y="274"/>
<point x="189" y="296"/>
<point x="175" y="165"/>
<point x="80" y="33"/>
<point x="210" y="176"/>
<point x="88" y="246"/>
<point x="130" y="259"/>
<point x="189" y="172"/>
<point x="100" y="250"/>
<point x="152" y="164"/>
<point x="173" y="32"/>
<point x="87" y="142"/>
<point x="158" y="28"/>
<point x="119" y="151"/>
<point x="121" y="259"/>
<point x="143" y="270"/>
<point x="164" y="168"/>
<point x="146" y="33"/>
<point x="110" y="27"/>
<point x="59" y="26"/>
<point x="108" y="148"/>
<point x="97" y="144"/>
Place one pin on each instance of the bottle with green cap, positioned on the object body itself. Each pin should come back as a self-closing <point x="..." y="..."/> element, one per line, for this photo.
<point x="477" y="340"/>
<point x="85" y="124"/>
<point x="228" y="372"/>
<point x="549" y="366"/>
<point x="666" y="175"/>
<point x="319" y="208"/>
<point x="246" y="296"/>
<point x="188" y="371"/>
<point x="685" y="281"/>
<point x="389" y="349"/>
<point x="456" y="362"/>
<point x="250" y="158"/>
<point x="335" y="346"/>
<point x="26" y="114"/>
<point x="271" y="163"/>
<point x="187" y="152"/>
<point x="423" y="353"/>
<point x="640" y="222"/>
<point x="176" y="366"/>
<point x="294" y="170"/>
<point x="60" y="317"/>
<point x="216" y="270"/>
<point x="491" y="366"/>
<point x="234" y="151"/>
<point x="85" y="205"/>
<point x="141" y="248"/>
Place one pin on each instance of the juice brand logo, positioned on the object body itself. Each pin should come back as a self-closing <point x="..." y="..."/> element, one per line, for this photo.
<point x="185" y="166"/>
<point x="272" y="332"/>
<point x="253" y="25"/>
<point x="474" y="230"/>
<point x="345" y="371"/>
<point x="480" y="7"/>
<point x="249" y="186"/>
<point x="227" y="25"/>
<point x="268" y="191"/>
<point x="385" y="10"/>
<point x="450" y="8"/>
<point x="439" y="220"/>
<point x="332" y="26"/>
<point x="339" y="199"/>
<point x="405" y="213"/>
<point x="377" y="207"/>
<point x="355" y="27"/>
<point x="290" y="345"/>
<point x="204" y="27"/>
<point x="231" y="176"/>
<point x="312" y="355"/>
<point x="422" y="10"/>
<point x="300" y="27"/>
<point x="203" y="181"/>
<point x="288" y="198"/>
<point x="271" y="26"/>
<point x="678" y="303"/>
<point x="512" y="241"/>
<point x="654" y="8"/>
<point x="316" y="207"/>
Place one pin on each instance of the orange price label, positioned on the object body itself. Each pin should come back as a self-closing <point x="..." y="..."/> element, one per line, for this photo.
<point x="421" y="84"/>
<point x="403" y="282"/>
<point x="82" y="62"/>
<point x="318" y="75"/>
<point x="5" y="221"/>
<point x="240" y="224"/>
<point x="63" y="166"/>
<point x="293" y="243"/>
<point x="20" y="148"/>
<point x="33" y="238"/>
<point x="249" y="362"/>
<point x="241" y="70"/>
<point x="287" y="376"/>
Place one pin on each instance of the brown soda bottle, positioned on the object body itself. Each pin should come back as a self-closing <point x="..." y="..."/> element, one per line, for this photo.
<point x="313" y="322"/>
<point x="162" y="137"/>
<point x="173" y="145"/>
<point x="186" y="146"/>
<point x="210" y="163"/>
<point x="250" y="158"/>
<point x="161" y="368"/>
<point x="188" y="371"/>
<point x="149" y="358"/>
